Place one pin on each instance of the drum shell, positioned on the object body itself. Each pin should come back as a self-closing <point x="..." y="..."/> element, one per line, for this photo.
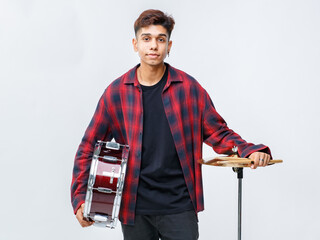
<point x="103" y="202"/>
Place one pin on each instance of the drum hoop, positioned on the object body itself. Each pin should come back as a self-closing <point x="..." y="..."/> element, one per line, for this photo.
<point x="120" y="185"/>
<point x="91" y="181"/>
<point x="118" y="197"/>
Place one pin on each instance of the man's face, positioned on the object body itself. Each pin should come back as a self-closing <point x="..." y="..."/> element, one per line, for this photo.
<point x="152" y="44"/>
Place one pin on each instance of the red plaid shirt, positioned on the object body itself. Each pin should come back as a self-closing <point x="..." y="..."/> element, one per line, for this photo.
<point x="192" y="119"/>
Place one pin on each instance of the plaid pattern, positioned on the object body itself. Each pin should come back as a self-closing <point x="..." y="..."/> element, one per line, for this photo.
<point x="192" y="119"/>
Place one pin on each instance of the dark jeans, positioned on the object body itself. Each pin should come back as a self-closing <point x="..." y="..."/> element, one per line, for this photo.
<point x="181" y="226"/>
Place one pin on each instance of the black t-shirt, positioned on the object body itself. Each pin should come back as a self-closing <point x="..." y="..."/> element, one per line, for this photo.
<point x="162" y="188"/>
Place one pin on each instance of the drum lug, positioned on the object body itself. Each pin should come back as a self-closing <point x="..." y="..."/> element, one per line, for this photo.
<point x="103" y="190"/>
<point x="113" y="145"/>
<point x="110" y="158"/>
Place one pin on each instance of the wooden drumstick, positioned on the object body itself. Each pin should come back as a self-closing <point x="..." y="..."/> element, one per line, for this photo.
<point x="218" y="161"/>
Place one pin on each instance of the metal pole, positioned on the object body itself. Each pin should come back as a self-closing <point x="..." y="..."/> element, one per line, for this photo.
<point x="239" y="207"/>
<point x="239" y="172"/>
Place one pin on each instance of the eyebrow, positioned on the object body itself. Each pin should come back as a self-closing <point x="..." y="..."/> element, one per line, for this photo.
<point x="159" y="35"/>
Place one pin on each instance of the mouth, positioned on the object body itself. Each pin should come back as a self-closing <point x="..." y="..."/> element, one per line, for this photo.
<point x="153" y="55"/>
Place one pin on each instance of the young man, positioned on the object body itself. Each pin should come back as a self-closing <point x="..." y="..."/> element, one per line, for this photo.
<point x="164" y="115"/>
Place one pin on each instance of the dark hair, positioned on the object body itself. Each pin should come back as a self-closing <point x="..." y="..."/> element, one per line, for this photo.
<point x="154" y="17"/>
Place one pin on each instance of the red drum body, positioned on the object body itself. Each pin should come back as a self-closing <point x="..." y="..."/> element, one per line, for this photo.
<point x="105" y="184"/>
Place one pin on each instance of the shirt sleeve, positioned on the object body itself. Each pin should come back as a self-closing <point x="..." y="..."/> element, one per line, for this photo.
<point x="98" y="129"/>
<point x="221" y="138"/>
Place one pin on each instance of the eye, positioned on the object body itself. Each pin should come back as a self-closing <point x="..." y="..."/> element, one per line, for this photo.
<point x="161" y="40"/>
<point x="145" y="39"/>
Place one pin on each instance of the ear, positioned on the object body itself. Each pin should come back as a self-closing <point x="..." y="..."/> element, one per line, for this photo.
<point x="169" y="45"/>
<point x="135" y="44"/>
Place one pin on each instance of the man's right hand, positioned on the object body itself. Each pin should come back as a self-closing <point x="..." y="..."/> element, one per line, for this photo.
<point x="79" y="216"/>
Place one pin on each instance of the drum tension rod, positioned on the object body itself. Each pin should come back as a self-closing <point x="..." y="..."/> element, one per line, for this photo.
<point x="112" y="175"/>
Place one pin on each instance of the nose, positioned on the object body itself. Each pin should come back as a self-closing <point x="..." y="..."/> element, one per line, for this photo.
<point x="154" y="44"/>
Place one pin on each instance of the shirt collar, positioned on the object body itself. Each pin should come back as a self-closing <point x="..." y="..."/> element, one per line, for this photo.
<point x="173" y="75"/>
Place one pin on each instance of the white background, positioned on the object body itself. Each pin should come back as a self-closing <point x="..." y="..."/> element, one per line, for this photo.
<point x="259" y="61"/>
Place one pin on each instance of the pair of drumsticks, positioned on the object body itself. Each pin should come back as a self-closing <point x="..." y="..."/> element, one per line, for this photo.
<point x="234" y="161"/>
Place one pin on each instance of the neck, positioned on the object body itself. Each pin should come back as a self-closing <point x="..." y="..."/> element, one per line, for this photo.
<point x="150" y="75"/>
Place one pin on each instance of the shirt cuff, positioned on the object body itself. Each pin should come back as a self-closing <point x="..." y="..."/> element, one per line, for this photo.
<point x="254" y="148"/>
<point x="77" y="201"/>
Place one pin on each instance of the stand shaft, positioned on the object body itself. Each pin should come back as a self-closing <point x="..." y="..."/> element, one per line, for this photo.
<point x="239" y="172"/>
<point x="239" y="207"/>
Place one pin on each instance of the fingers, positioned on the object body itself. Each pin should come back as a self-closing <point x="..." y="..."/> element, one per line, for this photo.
<point x="266" y="159"/>
<point x="79" y="215"/>
<point x="259" y="159"/>
<point x="255" y="157"/>
<point x="85" y="223"/>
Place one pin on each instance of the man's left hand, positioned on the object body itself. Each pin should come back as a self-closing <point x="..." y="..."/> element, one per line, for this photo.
<point x="260" y="159"/>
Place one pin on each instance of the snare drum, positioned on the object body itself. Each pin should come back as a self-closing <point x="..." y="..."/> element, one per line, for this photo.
<point x="105" y="184"/>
